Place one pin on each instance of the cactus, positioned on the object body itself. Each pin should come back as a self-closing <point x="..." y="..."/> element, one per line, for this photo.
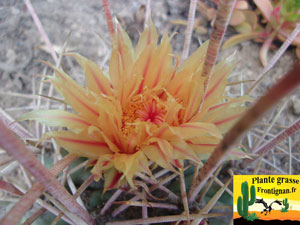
<point x="244" y="203"/>
<point x="286" y="205"/>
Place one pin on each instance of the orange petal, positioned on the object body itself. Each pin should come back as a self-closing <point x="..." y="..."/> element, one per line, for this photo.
<point x="104" y="162"/>
<point x="237" y="154"/>
<point x="142" y="65"/>
<point x="224" y="118"/>
<point x="131" y="143"/>
<point x="160" y="70"/>
<point x="217" y="84"/>
<point x="82" y="103"/>
<point x="172" y="114"/>
<point x="220" y="107"/>
<point x="216" y="87"/>
<point x="166" y="132"/>
<point x="148" y="37"/>
<point x="59" y="118"/>
<point x="197" y="129"/>
<point x="130" y="89"/>
<point x="194" y="92"/>
<point x="96" y="81"/>
<point x="195" y="96"/>
<point x="160" y="152"/>
<point x="76" y="96"/>
<point x="110" y="123"/>
<point x="203" y="147"/>
<point x="95" y="132"/>
<point x="112" y="179"/>
<point x="121" y="60"/>
<point x="79" y="144"/>
<point x="176" y="87"/>
<point x="182" y="151"/>
<point x="129" y="164"/>
<point x="229" y="118"/>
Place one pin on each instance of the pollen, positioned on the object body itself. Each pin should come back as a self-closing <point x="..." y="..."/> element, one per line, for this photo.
<point x="130" y="115"/>
<point x="148" y="112"/>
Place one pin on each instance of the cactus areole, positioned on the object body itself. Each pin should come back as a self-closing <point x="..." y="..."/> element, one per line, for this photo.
<point x="243" y="203"/>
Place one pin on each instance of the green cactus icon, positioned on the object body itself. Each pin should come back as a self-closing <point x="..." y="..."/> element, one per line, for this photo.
<point x="244" y="203"/>
<point x="286" y="205"/>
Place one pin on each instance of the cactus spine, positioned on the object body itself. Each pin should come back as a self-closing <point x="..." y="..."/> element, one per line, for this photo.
<point x="244" y="203"/>
<point x="286" y="205"/>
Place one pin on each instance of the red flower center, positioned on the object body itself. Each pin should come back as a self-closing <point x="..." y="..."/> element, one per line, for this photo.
<point x="152" y="112"/>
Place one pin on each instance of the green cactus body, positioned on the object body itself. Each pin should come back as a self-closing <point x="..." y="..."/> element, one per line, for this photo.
<point x="286" y="205"/>
<point x="243" y="203"/>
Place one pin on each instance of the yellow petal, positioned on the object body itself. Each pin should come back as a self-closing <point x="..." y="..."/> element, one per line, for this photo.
<point x="58" y="118"/>
<point x="142" y="65"/>
<point x="166" y="132"/>
<point x="95" y="132"/>
<point x="79" y="144"/>
<point x="96" y="81"/>
<point x="182" y="151"/>
<point x="121" y="60"/>
<point x="228" y="117"/>
<point x="179" y="86"/>
<point x="197" y="129"/>
<point x="160" y="152"/>
<point x="190" y="65"/>
<point x="112" y="179"/>
<point x="142" y="131"/>
<point x="203" y="146"/>
<point x="237" y="154"/>
<point x="195" y="95"/>
<point x="104" y="162"/>
<point x="217" y="84"/>
<point x="225" y="114"/>
<point x="129" y="164"/>
<point x="79" y="98"/>
<point x="129" y="89"/>
<point x="149" y="36"/>
<point x="81" y="102"/>
<point x="172" y="114"/>
<point x="110" y="125"/>
<point x="160" y="68"/>
<point x="218" y="108"/>
<point x="214" y="93"/>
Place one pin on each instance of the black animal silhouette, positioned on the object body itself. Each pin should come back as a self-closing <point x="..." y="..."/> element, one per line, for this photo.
<point x="267" y="208"/>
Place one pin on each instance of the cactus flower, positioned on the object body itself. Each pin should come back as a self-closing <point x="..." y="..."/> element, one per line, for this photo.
<point x="145" y="109"/>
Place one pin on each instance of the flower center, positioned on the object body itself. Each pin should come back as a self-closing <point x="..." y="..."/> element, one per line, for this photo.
<point x="129" y="116"/>
<point x="150" y="112"/>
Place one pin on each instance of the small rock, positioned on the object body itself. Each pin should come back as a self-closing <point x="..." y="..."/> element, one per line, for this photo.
<point x="296" y="106"/>
<point x="15" y="11"/>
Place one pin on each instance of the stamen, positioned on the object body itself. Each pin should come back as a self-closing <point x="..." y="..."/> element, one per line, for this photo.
<point x="151" y="112"/>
